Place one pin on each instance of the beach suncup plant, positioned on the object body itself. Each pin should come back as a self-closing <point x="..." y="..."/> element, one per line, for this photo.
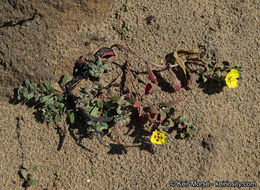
<point x="103" y="111"/>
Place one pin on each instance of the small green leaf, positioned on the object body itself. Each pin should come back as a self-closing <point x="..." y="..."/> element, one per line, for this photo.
<point x="101" y="126"/>
<point x="49" y="101"/>
<point x="92" y="58"/>
<point x="90" y="122"/>
<point x="37" y="96"/>
<point x="58" y="176"/>
<point x="59" y="97"/>
<point x="57" y="118"/>
<point x="171" y="123"/>
<point x="182" y="135"/>
<point x="49" y="88"/>
<point x="72" y="117"/>
<point x="204" y="78"/>
<point x="35" y="168"/>
<point x="182" y="119"/>
<point x="32" y="182"/>
<point x="115" y="98"/>
<point x="94" y="111"/>
<point x="65" y="79"/>
<point x="31" y="176"/>
<point x="119" y="111"/>
<point x="44" y="98"/>
<point x="191" y="130"/>
<point x="162" y="115"/>
<point x="100" y="103"/>
<point x="25" y="93"/>
<point x="53" y="108"/>
<point x="23" y="173"/>
<point x="106" y="67"/>
<point x="33" y="86"/>
<point x="42" y="88"/>
<point x="30" y="95"/>
<point x="99" y="62"/>
<point x="189" y="123"/>
<point x="27" y="83"/>
<point x="59" y="105"/>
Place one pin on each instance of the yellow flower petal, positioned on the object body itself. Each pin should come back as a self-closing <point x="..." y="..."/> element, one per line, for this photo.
<point x="158" y="138"/>
<point x="231" y="78"/>
<point x="234" y="73"/>
<point x="232" y="83"/>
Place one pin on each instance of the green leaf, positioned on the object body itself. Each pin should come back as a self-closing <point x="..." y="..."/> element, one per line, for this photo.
<point x="189" y="123"/>
<point x="99" y="62"/>
<point x="27" y="83"/>
<point x="101" y="126"/>
<point x="57" y="118"/>
<point x="72" y="117"/>
<point x="65" y="79"/>
<point x="162" y="115"/>
<point x="182" y="119"/>
<point x="30" y="95"/>
<point x="35" y="168"/>
<point x="94" y="111"/>
<point x="42" y="88"/>
<point x="204" y="78"/>
<point x="59" y="97"/>
<point x="100" y="103"/>
<point x="25" y="93"/>
<point x="33" y="87"/>
<point x="23" y="173"/>
<point x="115" y="98"/>
<point x="171" y="123"/>
<point x="49" y="88"/>
<point x="44" y="98"/>
<point x="32" y="182"/>
<point x="182" y="135"/>
<point x="49" y="101"/>
<point x="92" y="58"/>
<point x="191" y="130"/>
<point x="90" y="122"/>
<point x="119" y="111"/>
<point x="59" y="105"/>
<point x="19" y="97"/>
<point x="31" y="176"/>
<point x="58" y="176"/>
<point x="36" y="96"/>
<point x="53" y="108"/>
<point x="106" y="67"/>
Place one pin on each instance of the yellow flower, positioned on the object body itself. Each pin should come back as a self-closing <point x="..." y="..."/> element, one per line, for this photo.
<point x="158" y="138"/>
<point x="231" y="78"/>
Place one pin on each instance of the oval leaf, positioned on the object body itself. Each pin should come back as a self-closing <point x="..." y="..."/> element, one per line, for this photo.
<point x="65" y="79"/>
<point x="72" y="117"/>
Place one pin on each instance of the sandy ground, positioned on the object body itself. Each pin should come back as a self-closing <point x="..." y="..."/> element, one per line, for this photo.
<point x="41" y="41"/>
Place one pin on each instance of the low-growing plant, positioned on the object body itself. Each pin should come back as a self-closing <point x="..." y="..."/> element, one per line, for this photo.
<point x="57" y="179"/>
<point x="29" y="178"/>
<point x="103" y="110"/>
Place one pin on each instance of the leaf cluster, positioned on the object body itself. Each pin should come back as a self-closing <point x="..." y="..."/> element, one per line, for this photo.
<point x="49" y="100"/>
<point x="94" y="66"/>
<point x="29" y="178"/>
<point x="216" y="71"/>
<point x="186" y="129"/>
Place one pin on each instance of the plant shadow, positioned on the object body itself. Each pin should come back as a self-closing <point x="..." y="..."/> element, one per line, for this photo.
<point x="211" y="86"/>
